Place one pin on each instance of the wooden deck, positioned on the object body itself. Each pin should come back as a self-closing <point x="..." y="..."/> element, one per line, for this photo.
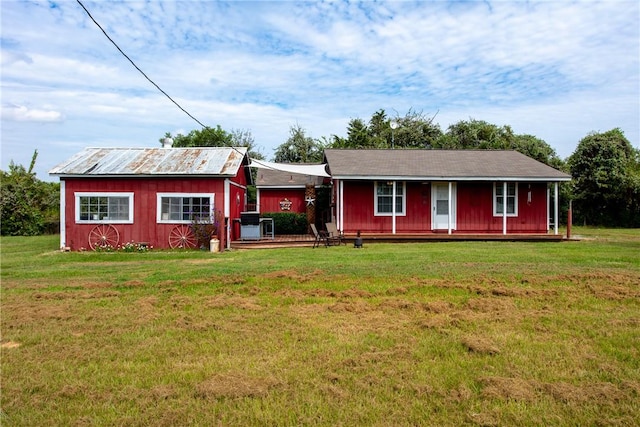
<point x="307" y="240"/>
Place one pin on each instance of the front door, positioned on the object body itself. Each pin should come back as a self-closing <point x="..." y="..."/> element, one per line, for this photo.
<point x="440" y="205"/>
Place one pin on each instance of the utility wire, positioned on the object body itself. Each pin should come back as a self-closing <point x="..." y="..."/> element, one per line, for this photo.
<point x="138" y="68"/>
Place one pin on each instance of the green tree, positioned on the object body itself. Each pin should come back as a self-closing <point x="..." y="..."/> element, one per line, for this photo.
<point x="28" y="206"/>
<point x="606" y="180"/>
<point x="216" y="137"/>
<point x="299" y="148"/>
<point x="414" y="130"/>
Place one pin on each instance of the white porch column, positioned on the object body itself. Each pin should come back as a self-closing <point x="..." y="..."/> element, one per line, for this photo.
<point x="504" y="207"/>
<point x="393" y="208"/>
<point x="555" y="207"/>
<point x="63" y="220"/>
<point x="340" y="220"/>
<point x="449" y="205"/>
<point x="227" y="211"/>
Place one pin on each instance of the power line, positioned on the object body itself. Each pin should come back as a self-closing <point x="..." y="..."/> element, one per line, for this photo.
<point x="138" y="68"/>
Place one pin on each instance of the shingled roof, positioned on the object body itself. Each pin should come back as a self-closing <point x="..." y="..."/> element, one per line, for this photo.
<point x="198" y="161"/>
<point x="437" y="165"/>
<point x="269" y="178"/>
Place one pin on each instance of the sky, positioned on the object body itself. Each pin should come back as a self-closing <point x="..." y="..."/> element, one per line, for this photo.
<point x="557" y="70"/>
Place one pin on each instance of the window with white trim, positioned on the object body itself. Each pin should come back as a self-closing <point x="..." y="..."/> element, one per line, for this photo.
<point x="384" y="198"/>
<point x="104" y="207"/>
<point x="511" y="198"/>
<point x="184" y="208"/>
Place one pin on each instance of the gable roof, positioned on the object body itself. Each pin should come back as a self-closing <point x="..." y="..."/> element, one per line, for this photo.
<point x="439" y="165"/>
<point x="270" y="178"/>
<point x="198" y="161"/>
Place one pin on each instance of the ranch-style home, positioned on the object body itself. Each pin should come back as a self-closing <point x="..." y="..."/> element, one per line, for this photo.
<point x="112" y="196"/>
<point x="470" y="192"/>
<point x="150" y="196"/>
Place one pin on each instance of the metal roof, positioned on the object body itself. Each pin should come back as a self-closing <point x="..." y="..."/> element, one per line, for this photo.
<point x="462" y="165"/>
<point x="198" y="161"/>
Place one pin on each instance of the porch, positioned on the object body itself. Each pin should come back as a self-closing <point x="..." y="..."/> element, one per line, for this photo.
<point x="307" y="240"/>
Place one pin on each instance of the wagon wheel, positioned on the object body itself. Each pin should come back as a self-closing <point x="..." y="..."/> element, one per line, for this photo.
<point x="103" y="236"/>
<point x="182" y="237"/>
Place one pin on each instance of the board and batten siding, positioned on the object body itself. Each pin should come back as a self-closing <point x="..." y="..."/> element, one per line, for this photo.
<point x="144" y="227"/>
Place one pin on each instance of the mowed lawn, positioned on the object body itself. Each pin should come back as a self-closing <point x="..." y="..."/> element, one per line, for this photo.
<point x="442" y="334"/>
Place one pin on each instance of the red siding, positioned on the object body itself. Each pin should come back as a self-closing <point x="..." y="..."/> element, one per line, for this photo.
<point x="270" y="199"/>
<point x="359" y="209"/>
<point x="144" y="227"/>
<point x="474" y="209"/>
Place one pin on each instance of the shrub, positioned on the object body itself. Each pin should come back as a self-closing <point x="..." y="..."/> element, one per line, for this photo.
<point x="288" y="222"/>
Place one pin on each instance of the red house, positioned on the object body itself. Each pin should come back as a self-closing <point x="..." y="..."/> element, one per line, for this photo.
<point x="150" y="196"/>
<point x="442" y="191"/>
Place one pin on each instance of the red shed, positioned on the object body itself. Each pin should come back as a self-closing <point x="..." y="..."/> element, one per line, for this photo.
<point x="442" y="191"/>
<point x="150" y="196"/>
<point x="281" y="191"/>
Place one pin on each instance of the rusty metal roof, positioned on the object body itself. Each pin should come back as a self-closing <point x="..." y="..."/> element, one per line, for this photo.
<point x="199" y="161"/>
<point x="482" y="165"/>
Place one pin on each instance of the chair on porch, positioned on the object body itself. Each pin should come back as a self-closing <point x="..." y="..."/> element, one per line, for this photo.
<point x="321" y="237"/>
<point x="334" y="234"/>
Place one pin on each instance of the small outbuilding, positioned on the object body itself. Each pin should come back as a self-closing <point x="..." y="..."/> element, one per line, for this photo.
<point x="443" y="191"/>
<point x="151" y="196"/>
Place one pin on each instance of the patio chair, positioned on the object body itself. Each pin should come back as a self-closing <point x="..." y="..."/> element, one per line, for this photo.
<point x="321" y="237"/>
<point x="335" y="235"/>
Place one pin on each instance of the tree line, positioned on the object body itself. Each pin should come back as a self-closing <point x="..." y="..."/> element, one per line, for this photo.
<point x="605" y="167"/>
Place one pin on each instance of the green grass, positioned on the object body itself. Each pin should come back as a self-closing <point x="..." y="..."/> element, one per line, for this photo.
<point x="446" y="334"/>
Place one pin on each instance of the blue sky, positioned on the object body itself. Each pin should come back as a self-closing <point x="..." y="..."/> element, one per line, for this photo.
<point x="554" y="69"/>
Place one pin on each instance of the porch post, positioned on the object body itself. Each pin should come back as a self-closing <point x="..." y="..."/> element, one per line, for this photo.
<point x="504" y="207"/>
<point x="449" y="210"/>
<point x="555" y="207"/>
<point x="548" y="205"/>
<point x="341" y="205"/>
<point x="393" y="208"/>
<point x="227" y="212"/>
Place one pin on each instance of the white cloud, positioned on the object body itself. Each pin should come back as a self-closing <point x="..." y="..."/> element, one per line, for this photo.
<point x="21" y="113"/>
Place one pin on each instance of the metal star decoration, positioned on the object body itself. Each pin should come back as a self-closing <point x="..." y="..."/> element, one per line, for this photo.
<point x="310" y="200"/>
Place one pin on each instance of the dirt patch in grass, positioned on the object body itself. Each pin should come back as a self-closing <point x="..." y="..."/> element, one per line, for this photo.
<point x="234" y="301"/>
<point x="294" y="276"/>
<point x="233" y="386"/>
<point x="10" y="344"/>
<point x="597" y="393"/>
<point x="480" y="345"/>
<point x="29" y="312"/>
<point x="508" y="389"/>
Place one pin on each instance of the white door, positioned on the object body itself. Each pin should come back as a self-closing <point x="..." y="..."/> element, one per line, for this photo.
<point x="440" y="205"/>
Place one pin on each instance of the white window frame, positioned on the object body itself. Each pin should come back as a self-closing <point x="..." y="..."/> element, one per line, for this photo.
<point x="399" y="184"/>
<point x="160" y="196"/>
<point x="80" y="195"/>
<point x="495" y="199"/>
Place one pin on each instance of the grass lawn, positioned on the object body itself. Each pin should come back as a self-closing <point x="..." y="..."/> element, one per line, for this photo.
<point x="443" y="334"/>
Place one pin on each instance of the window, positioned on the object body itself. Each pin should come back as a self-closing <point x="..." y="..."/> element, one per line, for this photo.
<point x="183" y="208"/>
<point x="104" y="207"/>
<point x="384" y="198"/>
<point x="511" y="198"/>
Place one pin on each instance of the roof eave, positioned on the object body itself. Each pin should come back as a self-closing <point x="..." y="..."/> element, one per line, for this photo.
<point x="450" y="178"/>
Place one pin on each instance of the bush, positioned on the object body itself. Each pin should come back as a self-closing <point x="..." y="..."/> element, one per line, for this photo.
<point x="288" y="222"/>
